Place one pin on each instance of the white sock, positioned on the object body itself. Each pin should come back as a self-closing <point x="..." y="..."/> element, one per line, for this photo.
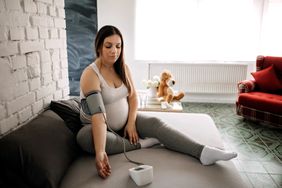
<point x="148" y="142"/>
<point x="210" y="155"/>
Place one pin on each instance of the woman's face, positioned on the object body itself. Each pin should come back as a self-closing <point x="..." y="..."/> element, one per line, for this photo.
<point x="111" y="49"/>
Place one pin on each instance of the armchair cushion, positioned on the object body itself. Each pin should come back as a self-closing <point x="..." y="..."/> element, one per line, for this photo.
<point x="264" y="102"/>
<point x="246" y="86"/>
<point x="267" y="80"/>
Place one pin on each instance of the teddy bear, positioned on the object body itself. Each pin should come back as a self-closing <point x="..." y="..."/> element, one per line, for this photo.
<point x="165" y="89"/>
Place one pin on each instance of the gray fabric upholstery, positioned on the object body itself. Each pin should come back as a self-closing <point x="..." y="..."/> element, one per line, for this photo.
<point x="171" y="169"/>
<point x="38" y="153"/>
<point x="69" y="111"/>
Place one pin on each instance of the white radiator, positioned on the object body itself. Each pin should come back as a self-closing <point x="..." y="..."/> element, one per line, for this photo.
<point x="203" y="78"/>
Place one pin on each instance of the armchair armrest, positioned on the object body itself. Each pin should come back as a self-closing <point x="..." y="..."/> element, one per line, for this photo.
<point x="246" y="86"/>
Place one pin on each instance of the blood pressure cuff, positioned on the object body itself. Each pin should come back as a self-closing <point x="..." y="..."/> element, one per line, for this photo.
<point x="93" y="103"/>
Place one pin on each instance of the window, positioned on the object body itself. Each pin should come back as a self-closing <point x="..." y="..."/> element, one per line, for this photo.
<point x="230" y="30"/>
<point x="271" y="33"/>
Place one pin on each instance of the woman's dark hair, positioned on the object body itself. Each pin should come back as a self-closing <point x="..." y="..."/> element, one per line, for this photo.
<point x="119" y="65"/>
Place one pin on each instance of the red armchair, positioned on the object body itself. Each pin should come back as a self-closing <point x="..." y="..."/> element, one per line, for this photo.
<point x="260" y="99"/>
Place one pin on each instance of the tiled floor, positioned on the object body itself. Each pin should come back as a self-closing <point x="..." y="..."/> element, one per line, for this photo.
<point x="259" y="148"/>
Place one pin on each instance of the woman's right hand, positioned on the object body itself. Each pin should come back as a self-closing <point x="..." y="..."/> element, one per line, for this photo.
<point x="103" y="165"/>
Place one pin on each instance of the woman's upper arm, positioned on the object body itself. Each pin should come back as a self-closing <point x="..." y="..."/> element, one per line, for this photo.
<point x="89" y="81"/>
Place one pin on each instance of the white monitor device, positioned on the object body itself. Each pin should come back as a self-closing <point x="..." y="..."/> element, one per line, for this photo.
<point x="142" y="174"/>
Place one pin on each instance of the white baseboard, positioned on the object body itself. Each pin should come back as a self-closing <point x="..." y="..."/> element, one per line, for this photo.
<point x="209" y="98"/>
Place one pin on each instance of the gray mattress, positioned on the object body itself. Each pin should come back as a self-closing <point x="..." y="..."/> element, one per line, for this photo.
<point x="171" y="169"/>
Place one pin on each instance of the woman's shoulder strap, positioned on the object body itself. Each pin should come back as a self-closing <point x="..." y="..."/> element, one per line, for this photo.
<point x="96" y="70"/>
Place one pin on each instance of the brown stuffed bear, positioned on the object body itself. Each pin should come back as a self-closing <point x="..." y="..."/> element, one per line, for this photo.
<point x="165" y="89"/>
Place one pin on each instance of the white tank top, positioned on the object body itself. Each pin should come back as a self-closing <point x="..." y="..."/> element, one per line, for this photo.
<point x="115" y="101"/>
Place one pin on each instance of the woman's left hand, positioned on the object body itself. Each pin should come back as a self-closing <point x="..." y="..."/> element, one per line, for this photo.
<point x="130" y="130"/>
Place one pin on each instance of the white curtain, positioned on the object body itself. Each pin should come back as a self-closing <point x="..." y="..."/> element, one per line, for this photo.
<point x="271" y="32"/>
<point x="228" y="30"/>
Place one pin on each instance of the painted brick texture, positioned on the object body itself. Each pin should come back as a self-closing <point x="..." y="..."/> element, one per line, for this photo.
<point x="33" y="59"/>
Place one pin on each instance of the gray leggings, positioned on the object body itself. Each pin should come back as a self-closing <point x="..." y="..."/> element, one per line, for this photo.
<point x="146" y="127"/>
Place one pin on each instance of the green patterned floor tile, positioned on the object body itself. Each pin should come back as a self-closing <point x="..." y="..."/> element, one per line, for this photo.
<point x="268" y="134"/>
<point x="246" y="180"/>
<point x="232" y="140"/>
<point x="261" y="180"/>
<point x="245" y="124"/>
<point x="274" y="146"/>
<point x="245" y="152"/>
<point x="225" y="120"/>
<point x="252" y="166"/>
<point x="278" y="152"/>
<point x="261" y="152"/>
<point x="255" y="126"/>
<point x="252" y="141"/>
<point x="273" y="167"/>
<point x="255" y="139"/>
<point x="233" y="132"/>
<point x="277" y="179"/>
<point x="278" y="134"/>
<point x="246" y="133"/>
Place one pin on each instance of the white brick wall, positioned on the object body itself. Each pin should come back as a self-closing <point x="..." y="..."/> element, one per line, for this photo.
<point x="7" y="80"/>
<point x="46" y="79"/>
<point x="62" y="33"/>
<point x="33" y="58"/>
<point x="53" y="33"/>
<point x="34" y="84"/>
<point x="52" y="11"/>
<point x="8" y="123"/>
<point x="60" y="23"/>
<point x="14" y="18"/>
<point x="19" y="103"/>
<point x="43" y="33"/>
<point x="45" y="1"/>
<point x="63" y="53"/>
<point x="20" y="89"/>
<point x="66" y="92"/>
<point x="58" y="95"/>
<point x="3" y="33"/>
<point x="31" y="33"/>
<point x="19" y="61"/>
<point x="41" y="8"/>
<point x="13" y="4"/>
<point x="8" y="48"/>
<point x="33" y="65"/>
<point x="31" y="46"/>
<point x="61" y="12"/>
<point x="17" y="33"/>
<point x="55" y="56"/>
<point x="47" y="100"/>
<point x="60" y="3"/>
<point x="53" y="43"/>
<point x="2" y="111"/>
<point x="2" y="6"/>
<point x="37" y="106"/>
<point x="30" y="6"/>
<point x="25" y="114"/>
